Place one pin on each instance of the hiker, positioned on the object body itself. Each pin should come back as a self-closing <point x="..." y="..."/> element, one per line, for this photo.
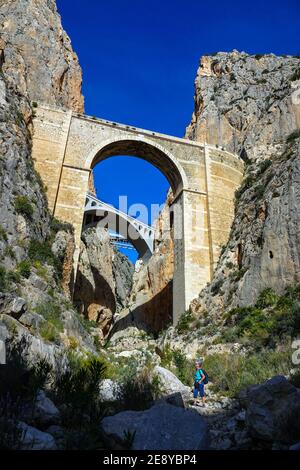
<point x="200" y="380"/>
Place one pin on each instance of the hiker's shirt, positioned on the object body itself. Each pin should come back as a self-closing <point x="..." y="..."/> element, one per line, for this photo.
<point x="198" y="375"/>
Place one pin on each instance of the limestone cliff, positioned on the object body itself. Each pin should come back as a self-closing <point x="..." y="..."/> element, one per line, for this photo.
<point x="39" y="59"/>
<point x="104" y="279"/>
<point x="246" y="103"/>
<point x="249" y="104"/>
<point x="37" y="64"/>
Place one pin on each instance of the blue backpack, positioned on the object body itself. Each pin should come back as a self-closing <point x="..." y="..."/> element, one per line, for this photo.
<point x="205" y="381"/>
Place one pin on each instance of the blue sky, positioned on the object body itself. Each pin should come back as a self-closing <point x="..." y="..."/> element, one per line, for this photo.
<point x="139" y="61"/>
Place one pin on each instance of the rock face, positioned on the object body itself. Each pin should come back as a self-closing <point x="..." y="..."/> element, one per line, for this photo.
<point x="169" y="383"/>
<point x="249" y="105"/>
<point x="103" y="280"/>
<point x="245" y="102"/>
<point x="38" y="54"/>
<point x="37" y="64"/>
<point x="162" y="427"/>
<point x="33" y="439"/>
<point x="273" y="410"/>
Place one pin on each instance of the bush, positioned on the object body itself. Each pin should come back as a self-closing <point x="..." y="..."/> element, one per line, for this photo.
<point x="238" y="274"/>
<point x="78" y="390"/>
<point x="23" y="206"/>
<point x="3" y="235"/>
<point x="51" y="312"/>
<point x="295" y="76"/>
<point x="19" y="385"/>
<point x="264" y="165"/>
<point x="139" y="391"/>
<point x="184" y="367"/>
<point x="184" y="322"/>
<point x="41" y="251"/>
<point x="293" y="136"/>
<point x="230" y="373"/>
<point x="216" y="287"/>
<point x="24" y="269"/>
<point x="3" y="279"/>
<point x="246" y="184"/>
<point x="272" y="319"/>
<point x="266" y="298"/>
<point x="56" y="225"/>
<point x="49" y="332"/>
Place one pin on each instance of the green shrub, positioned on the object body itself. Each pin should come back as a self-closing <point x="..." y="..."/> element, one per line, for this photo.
<point x="41" y="251"/>
<point x="3" y="235"/>
<point x="246" y="184"/>
<point x="51" y="312"/>
<point x="3" y="279"/>
<point x="23" y="206"/>
<point x="56" y="225"/>
<point x="216" y="286"/>
<point x="13" y="276"/>
<point x="139" y="391"/>
<point x="295" y="76"/>
<point x="166" y="356"/>
<point x="229" y="265"/>
<point x="271" y="320"/>
<point x="24" y="269"/>
<point x="184" y="367"/>
<point x="230" y="373"/>
<point x="77" y="389"/>
<point x="293" y="136"/>
<point x="264" y="165"/>
<point x="267" y="298"/>
<point x="49" y="332"/>
<point x="19" y="385"/>
<point x="238" y="274"/>
<point x="185" y="321"/>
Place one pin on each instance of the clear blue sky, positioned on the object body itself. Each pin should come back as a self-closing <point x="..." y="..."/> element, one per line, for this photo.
<point x="139" y="61"/>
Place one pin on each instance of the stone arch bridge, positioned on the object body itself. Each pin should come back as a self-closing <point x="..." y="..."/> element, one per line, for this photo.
<point x="67" y="146"/>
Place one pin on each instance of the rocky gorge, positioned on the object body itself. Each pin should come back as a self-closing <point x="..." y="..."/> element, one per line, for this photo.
<point x="94" y="370"/>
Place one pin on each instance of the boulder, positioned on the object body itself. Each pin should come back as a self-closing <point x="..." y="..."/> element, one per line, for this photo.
<point x="169" y="383"/>
<point x="109" y="390"/>
<point x="43" y="413"/>
<point x="161" y="427"/>
<point x="273" y="410"/>
<point x="12" y="305"/>
<point x="33" y="320"/>
<point x="33" y="439"/>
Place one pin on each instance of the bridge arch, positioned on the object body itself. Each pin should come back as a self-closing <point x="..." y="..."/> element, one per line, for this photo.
<point x="141" y="147"/>
<point x="139" y="234"/>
